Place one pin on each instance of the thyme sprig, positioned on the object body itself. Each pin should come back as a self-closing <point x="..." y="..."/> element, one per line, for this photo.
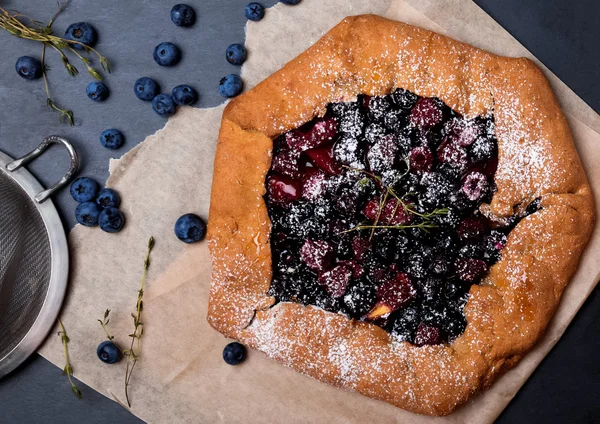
<point x="408" y="207"/>
<point x="104" y="322"/>
<point x="68" y="370"/>
<point x="23" y="26"/>
<point x="133" y="353"/>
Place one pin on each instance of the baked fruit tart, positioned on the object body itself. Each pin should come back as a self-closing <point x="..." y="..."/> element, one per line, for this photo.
<point x="395" y="213"/>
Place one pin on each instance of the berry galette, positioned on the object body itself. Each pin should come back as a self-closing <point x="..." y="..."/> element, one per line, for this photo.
<point x="395" y="213"/>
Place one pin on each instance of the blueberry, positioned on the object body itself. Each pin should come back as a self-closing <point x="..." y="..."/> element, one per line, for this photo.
<point x="190" y="228"/>
<point x="164" y="105"/>
<point x="84" y="189"/>
<point x="290" y="2"/>
<point x="167" y="54"/>
<point x="230" y="86"/>
<point x="254" y="11"/>
<point x="82" y="32"/>
<point x="108" y="352"/>
<point x="87" y="214"/>
<point x="183" y="15"/>
<point x="97" y="91"/>
<point x="184" y="95"/>
<point x="112" y="139"/>
<point x="108" y="198"/>
<point x="235" y="54"/>
<point x="111" y="220"/>
<point x="234" y="353"/>
<point x="29" y="67"/>
<point x="146" y="89"/>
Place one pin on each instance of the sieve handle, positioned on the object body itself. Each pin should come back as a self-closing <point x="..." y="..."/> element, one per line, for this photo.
<point x="47" y="142"/>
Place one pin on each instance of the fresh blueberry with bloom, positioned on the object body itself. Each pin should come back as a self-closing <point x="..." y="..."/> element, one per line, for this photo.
<point x="108" y="352"/>
<point x="230" y="86"/>
<point x="164" y="105"/>
<point x="235" y="54"/>
<point x="184" y="95"/>
<point x="82" y="32"/>
<point x="290" y="2"/>
<point x="112" y="138"/>
<point x="97" y="91"/>
<point x="190" y="228"/>
<point x="183" y="15"/>
<point x="108" y="198"/>
<point x="234" y="353"/>
<point x="88" y="213"/>
<point x="28" y="67"/>
<point x="167" y="54"/>
<point x="111" y="220"/>
<point x="146" y="89"/>
<point x="84" y="189"/>
<point x="254" y="11"/>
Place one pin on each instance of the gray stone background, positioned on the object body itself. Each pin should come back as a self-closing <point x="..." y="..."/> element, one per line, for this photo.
<point x="563" y="35"/>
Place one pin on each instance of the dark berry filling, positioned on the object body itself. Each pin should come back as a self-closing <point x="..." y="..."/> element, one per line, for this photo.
<point x="375" y="212"/>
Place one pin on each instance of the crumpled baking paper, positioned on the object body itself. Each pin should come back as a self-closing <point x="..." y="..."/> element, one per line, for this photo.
<point x="181" y="377"/>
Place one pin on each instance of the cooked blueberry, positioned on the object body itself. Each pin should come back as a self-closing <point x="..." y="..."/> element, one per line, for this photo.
<point x="348" y="150"/>
<point x="87" y="214"/>
<point x="29" y="67"/>
<point x="146" y="89"/>
<point x="234" y="353"/>
<point x="183" y="15"/>
<point x="112" y="139"/>
<point x="190" y="228"/>
<point x="379" y="106"/>
<point x="350" y="117"/>
<point x="471" y="228"/>
<point x="230" y="85"/>
<point x="534" y="206"/>
<point x="111" y="220"/>
<point x="493" y="243"/>
<point x="84" y="189"/>
<point x="404" y="99"/>
<point x="415" y="266"/>
<point x="374" y="132"/>
<point x="382" y="155"/>
<point x="83" y="33"/>
<point x="404" y="323"/>
<point x="360" y="298"/>
<point x="167" y="54"/>
<point x="184" y="95"/>
<point x="108" y="352"/>
<point x="254" y="11"/>
<point x="484" y="148"/>
<point x="108" y="198"/>
<point x="97" y="91"/>
<point x="430" y="289"/>
<point x="440" y="265"/>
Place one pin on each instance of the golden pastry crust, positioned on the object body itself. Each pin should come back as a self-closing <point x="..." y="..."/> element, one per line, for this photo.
<point x="506" y="314"/>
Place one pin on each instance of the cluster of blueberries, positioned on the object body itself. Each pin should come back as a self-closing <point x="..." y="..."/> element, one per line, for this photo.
<point x="97" y="206"/>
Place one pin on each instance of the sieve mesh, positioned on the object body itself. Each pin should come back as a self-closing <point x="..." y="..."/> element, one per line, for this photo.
<point x="25" y="263"/>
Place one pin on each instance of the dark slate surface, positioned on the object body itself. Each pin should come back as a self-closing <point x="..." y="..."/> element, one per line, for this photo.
<point x="563" y="35"/>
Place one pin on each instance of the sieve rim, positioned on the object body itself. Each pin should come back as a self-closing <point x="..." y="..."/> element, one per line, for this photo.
<point x="59" y="269"/>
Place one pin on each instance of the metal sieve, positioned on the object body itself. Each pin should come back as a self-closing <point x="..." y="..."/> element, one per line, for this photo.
<point x="34" y="258"/>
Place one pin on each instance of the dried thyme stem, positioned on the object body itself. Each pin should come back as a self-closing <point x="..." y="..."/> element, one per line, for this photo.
<point x="132" y="353"/>
<point x="68" y="370"/>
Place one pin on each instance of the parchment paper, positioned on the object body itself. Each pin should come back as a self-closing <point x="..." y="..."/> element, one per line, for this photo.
<point x="181" y="376"/>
